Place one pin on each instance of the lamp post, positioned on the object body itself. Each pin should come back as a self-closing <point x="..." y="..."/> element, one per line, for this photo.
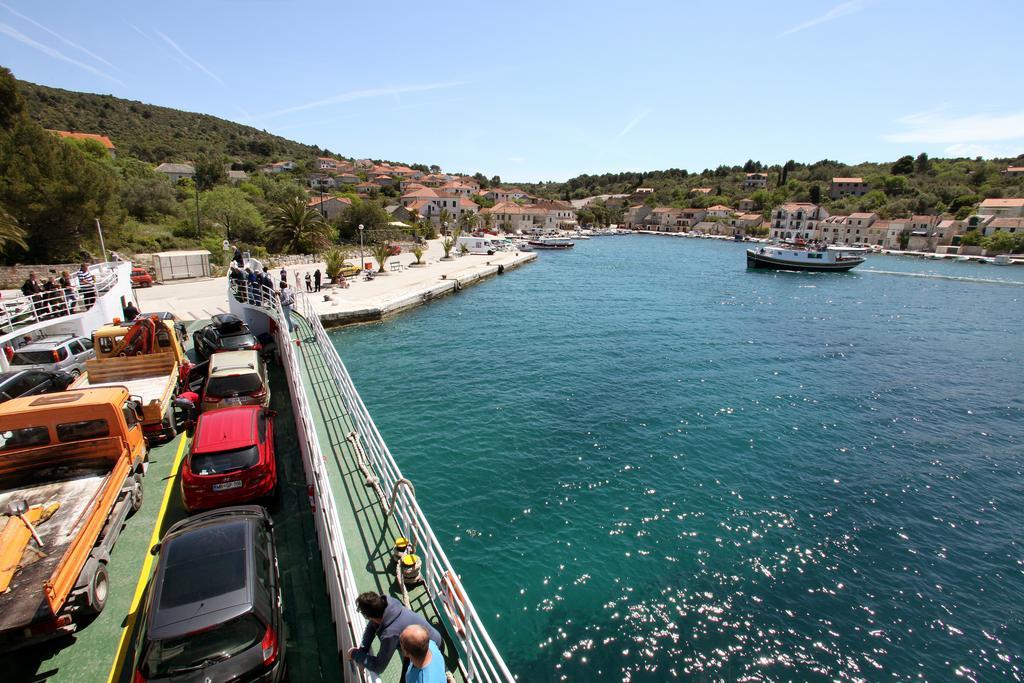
<point x="361" y="263"/>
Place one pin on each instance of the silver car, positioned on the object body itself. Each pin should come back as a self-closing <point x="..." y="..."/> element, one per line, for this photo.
<point x="66" y="352"/>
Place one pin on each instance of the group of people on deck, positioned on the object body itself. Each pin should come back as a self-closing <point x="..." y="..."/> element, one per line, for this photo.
<point x="61" y="296"/>
<point x="398" y="628"/>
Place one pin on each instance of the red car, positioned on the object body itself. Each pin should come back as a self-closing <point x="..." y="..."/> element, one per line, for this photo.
<point x="231" y="460"/>
<point x="141" y="278"/>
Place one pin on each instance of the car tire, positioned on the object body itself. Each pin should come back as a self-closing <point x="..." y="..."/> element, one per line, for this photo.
<point x="96" y="588"/>
<point x="76" y="373"/>
<point x="137" y="494"/>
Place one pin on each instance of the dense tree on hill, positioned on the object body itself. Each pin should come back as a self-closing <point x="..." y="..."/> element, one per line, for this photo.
<point x="815" y="194"/>
<point x="903" y="166"/>
<point x="369" y="214"/>
<point x="12" y="236"/>
<point x="922" y="164"/>
<point x="50" y="189"/>
<point x="229" y="211"/>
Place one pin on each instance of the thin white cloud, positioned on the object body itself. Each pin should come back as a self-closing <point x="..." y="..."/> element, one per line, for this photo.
<point x="840" y="10"/>
<point x="187" y="57"/>
<point x="970" y="149"/>
<point x="57" y="36"/>
<point x="634" y="122"/>
<point x="360" y="95"/>
<point x="53" y="52"/>
<point x="934" y="128"/>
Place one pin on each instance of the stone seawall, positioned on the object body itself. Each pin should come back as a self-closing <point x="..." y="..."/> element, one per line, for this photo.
<point x="12" y="277"/>
<point x="428" y="292"/>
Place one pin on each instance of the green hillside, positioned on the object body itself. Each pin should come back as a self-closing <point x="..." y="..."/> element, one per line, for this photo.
<point x="155" y="134"/>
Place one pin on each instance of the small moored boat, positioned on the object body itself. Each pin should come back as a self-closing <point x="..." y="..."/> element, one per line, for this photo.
<point x="551" y="243"/>
<point x="782" y="257"/>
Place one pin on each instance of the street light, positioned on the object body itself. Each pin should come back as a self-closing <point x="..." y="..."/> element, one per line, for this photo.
<point x="361" y="263"/>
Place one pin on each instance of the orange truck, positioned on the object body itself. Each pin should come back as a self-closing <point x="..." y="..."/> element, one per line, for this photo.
<point x="71" y="467"/>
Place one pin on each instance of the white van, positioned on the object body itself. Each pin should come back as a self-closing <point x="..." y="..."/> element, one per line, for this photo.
<point x="476" y="245"/>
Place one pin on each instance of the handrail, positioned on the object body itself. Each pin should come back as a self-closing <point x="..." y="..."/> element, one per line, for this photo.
<point x="341" y="586"/>
<point x="27" y="309"/>
<point x="482" y="659"/>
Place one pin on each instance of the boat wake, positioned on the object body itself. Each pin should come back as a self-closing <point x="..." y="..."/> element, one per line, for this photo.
<point x="933" y="276"/>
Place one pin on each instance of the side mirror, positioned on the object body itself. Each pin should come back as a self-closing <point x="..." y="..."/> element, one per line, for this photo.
<point x="137" y="406"/>
<point x="155" y="550"/>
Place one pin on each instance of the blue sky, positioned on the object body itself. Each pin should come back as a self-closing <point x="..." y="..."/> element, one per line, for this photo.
<point x="548" y="90"/>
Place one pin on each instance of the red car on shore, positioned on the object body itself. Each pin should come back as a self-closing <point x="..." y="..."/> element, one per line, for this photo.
<point x="141" y="278"/>
<point x="231" y="460"/>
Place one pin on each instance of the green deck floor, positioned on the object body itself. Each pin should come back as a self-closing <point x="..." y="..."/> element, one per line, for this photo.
<point x="368" y="536"/>
<point x="90" y="655"/>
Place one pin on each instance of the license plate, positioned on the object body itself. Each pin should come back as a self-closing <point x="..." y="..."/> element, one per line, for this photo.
<point x="234" y="401"/>
<point x="227" y="485"/>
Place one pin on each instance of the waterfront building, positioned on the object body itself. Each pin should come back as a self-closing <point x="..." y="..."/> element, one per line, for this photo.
<point x="634" y="216"/>
<point x="1009" y="207"/>
<point x="848" y="187"/>
<point x="797" y="220"/>
<point x="1013" y="226"/>
<point x="720" y="211"/>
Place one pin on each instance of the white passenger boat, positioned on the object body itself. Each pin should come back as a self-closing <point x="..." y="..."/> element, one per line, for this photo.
<point x="786" y="257"/>
<point x="551" y="243"/>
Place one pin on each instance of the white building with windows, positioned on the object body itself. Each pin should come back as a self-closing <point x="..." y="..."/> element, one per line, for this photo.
<point x="797" y="220"/>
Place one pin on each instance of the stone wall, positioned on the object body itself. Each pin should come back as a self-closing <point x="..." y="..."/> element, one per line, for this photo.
<point x="12" y="277"/>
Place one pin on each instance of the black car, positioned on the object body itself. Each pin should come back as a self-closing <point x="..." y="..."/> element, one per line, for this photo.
<point x="213" y="609"/>
<point x="226" y="333"/>
<point x="30" y="382"/>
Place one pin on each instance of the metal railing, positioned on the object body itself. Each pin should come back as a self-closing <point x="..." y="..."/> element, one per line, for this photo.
<point x="481" y="658"/>
<point x="24" y="310"/>
<point x="341" y="586"/>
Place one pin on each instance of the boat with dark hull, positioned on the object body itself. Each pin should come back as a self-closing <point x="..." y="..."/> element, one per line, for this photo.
<point x="781" y="257"/>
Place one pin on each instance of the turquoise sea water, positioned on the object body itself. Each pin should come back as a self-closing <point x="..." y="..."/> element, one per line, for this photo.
<point x="650" y="464"/>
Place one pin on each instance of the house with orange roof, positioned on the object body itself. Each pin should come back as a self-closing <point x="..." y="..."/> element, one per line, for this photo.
<point x="745" y="204"/>
<point x="102" y="139"/>
<point x="720" y="211"/>
<point x="1014" y="171"/>
<point x="367" y="188"/>
<point x="384" y="180"/>
<point x="508" y="216"/>
<point x="329" y="207"/>
<point x="848" y="187"/>
<point x="347" y="179"/>
<point x="327" y="164"/>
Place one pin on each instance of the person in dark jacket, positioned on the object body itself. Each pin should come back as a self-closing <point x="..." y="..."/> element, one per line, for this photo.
<point x="316" y="280"/>
<point x="387" y="619"/>
<point x="131" y="311"/>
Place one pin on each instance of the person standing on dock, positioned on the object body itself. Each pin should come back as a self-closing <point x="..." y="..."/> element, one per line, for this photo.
<point x="284" y="276"/>
<point x="309" y="282"/>
<point x="317" y="275"/>
<point x="387" y="618"/>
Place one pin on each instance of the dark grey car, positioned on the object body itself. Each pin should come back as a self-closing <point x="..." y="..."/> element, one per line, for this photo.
<point x="213" y="610"/>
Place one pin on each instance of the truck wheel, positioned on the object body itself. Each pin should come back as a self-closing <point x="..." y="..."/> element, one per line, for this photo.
<point x="136" y="494"/>
<point x="170" y="429"/>
<point x="97" y="589"/>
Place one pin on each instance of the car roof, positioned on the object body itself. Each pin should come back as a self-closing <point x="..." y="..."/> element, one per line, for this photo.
<point x="234" y="361"/>
<point x="47" y="343"/>
<point x="204" y="575"/>
<point x="226" y="429"/>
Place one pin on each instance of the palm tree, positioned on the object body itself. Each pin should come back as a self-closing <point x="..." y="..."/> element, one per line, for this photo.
<point x="468" y="221"/>
<point x="296" y="227"/>
<point x="488" y="219"/>
<point x="11" y="234"/>
<point x="448" y="243"/>
<point x="414" y="219"/>
<point x="381" y="251"/>
<point x="445" y="216"/>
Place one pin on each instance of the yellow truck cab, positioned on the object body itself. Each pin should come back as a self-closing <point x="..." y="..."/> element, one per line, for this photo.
<point x="108" y="341"/>
<point x="71" y="467"/>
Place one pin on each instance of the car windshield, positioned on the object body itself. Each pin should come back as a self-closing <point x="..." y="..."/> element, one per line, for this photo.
<point x="236" y="340"/>
<point x="32" y="358"/>
<point x="198" y="650"/>
<point x="227" y="386"/>
<point x="224" y="462"/>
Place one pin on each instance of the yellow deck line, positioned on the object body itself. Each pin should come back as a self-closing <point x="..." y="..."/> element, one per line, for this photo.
<point x="147" y="565"/>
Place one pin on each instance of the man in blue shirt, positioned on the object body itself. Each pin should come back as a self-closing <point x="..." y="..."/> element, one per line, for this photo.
<point x="387" y="619"/>
<point x="426" y="665"/>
